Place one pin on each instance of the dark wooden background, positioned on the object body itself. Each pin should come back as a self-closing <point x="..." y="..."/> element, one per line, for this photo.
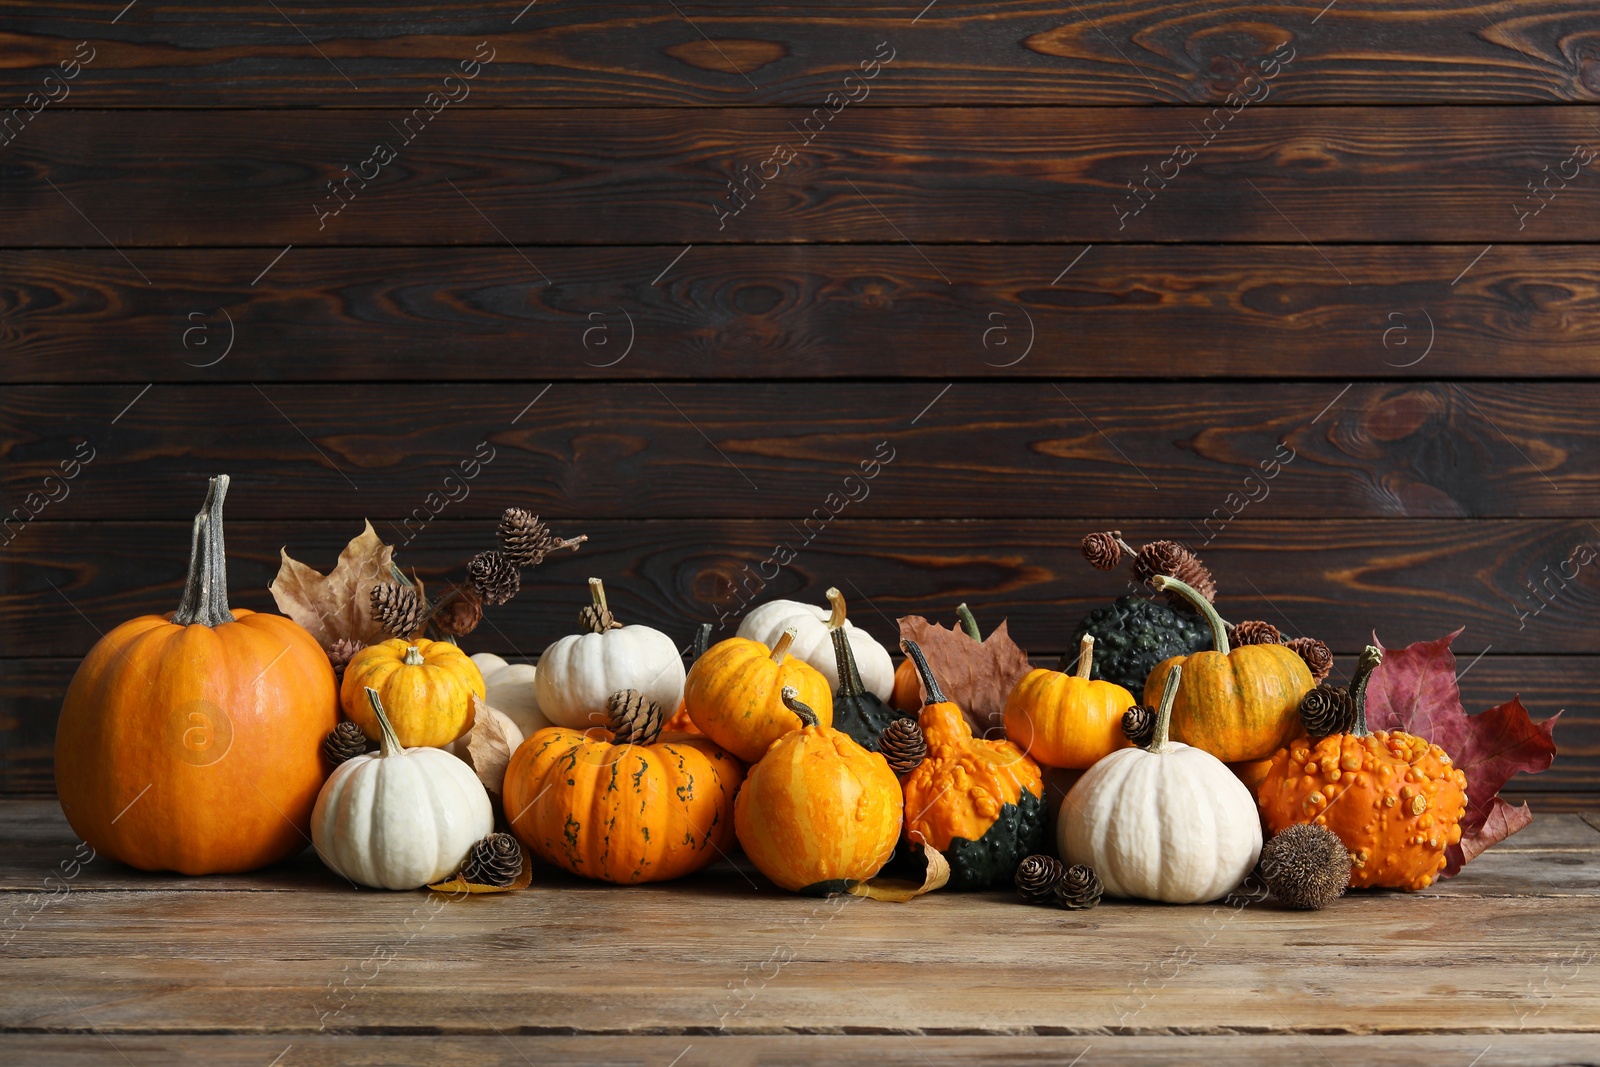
<point x="1342" y="269"/>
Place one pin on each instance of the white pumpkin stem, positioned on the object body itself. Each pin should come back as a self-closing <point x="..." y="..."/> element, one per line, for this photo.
<point x="1159" y="742"/>
<point x="791" y="700"/>
<point x="1085" y="657"/>
<point x="836" y="599"/>
<point x="1219" y="629"/>
<point x="390" y="742"/>
<point x="781" y="649"/>
<point x="205" y="590"/>
<point x="413" y="656"/>
<point x="968" y="622"/>
<point x="1371" y="657"/>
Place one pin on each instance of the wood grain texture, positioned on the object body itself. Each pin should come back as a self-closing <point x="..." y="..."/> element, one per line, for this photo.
<point x="926" y="175"/>
<point x="802" y="312"/>
<point x="967" y="450"/>
<point x="1096" y="52"/>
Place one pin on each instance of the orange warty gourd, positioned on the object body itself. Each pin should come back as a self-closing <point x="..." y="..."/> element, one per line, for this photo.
<point x="191" y="742"/>
<point x="642" y="810"/>
<point x="734" y="694"/>
<point x="1394" y="799"/>
<point x="1067" y="720"/>
<point x="818" y="813"/>
<point x="426" y="688"/>
<point x="1238" y="704"/>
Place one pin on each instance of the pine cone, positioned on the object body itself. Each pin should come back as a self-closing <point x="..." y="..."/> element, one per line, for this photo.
<point x="1328" y="710"/>
<point x="399" y="609"/>
<point x="1079" y="888"/>
<point x="1036" y="878"/>
<point x="1103" y="550"/>
<point x="496" y="860"/>
<point x="526" y="541"/>
<point x="495" y="577"/>
<point x="1175" y="561"/>
<point x="1319" y="660"/>
<point x="596" y="620"/>
<point x="460" y="612"/>
<point x="1139" y="725"/>
<point x="1255" y="632"/>
<point x="342" y="652"/>
<point x="345" y="741"/>
<point x="635" y="719"/>
<point x="903" y="745"/>
<point x="1306" y="866"/>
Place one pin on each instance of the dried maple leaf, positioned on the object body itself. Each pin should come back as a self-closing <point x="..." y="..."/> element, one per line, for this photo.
<point x="337" y="605"/>
<point x="978" y="676"/>
<point x="488" y="747"/>
<point x="1415" y="690"/>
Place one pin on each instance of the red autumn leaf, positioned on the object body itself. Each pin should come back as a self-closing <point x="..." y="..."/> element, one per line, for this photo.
<point x="978" y="676"/>
<point x="1415" y="690"/>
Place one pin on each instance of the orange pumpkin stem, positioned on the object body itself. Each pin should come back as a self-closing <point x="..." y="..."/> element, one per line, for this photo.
<point x="968" y="623"/>
<point x="390" y="742"/>
<point x="1085" y="657"/>
<point x="836" y="599"/>
<point x="781" y="649"/>
<point x="1159" y="740"/>
<point x="1371" y="657"/>
<point x="930" y="684"/>
<point x="1219" y="629"/>
<point x="792" y="701"/>
<point x="205" y="590"/>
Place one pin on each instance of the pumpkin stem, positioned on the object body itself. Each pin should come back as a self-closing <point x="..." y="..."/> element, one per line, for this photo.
<point x="1219" y="629"/>
<point x="835" y="598"/>
<point x="599" y="619"/>
<point x="205" y="590"/>
<point x="1371" y="656"/>
<point x="791" y="701"/>
<point x="390" y="742"/>
<point x="781" y="649"/>
<point x="849" y="676"/>
<point x="702" y="640"/>
<point x="968" y="623"/>
<point x="1085" y="657"/>
<point x="413" y="656"/>
<point x="930" y="684"/>
<point x="1158" y="741"/>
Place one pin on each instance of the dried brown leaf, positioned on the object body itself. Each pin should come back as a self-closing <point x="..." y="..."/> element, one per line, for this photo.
<point x="978" y="676"/>
<point x="338" y="605"/>
<point x="898" y="890"/>
<point x="489" y="744"/>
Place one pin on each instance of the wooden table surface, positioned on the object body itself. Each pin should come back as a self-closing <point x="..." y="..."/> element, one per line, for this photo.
<point x="292" y="966"/>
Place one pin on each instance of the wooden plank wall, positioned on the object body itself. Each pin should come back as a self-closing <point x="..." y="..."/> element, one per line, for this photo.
<point x="669" y="273"/>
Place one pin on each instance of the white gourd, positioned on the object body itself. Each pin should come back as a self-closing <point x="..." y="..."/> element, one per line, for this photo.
<point x="512" y="690"/>
<point x="813" y="642"/>
<point x="578" y="673"/>
<point x="399" y="818"/>
<point x="1170" y="823"/>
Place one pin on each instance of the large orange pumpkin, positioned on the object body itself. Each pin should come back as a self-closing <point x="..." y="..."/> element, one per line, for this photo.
<point x="1238" y="704"/>
<point x="190" y="742"/>
<point x="640" y="810"/>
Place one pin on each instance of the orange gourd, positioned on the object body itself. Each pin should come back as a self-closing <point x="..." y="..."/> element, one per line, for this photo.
<point x="641" y="810"/>
<point x="190" y="742"/>
<point x="1238" y="704"/>
<point x="1067" y="720"/>
<point x="979" y="802"/>
<point x="426" y="688"/>
<point x="1395" y="800"/>
<point x="734" y="694"/>
<point x="819" y="813"/>
<point x="680" y="723"/>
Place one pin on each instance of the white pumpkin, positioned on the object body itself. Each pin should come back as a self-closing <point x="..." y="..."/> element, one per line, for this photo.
<point x="511" y="690"/>
<point x="399" y="818"/>
<point x="1170" y="823"/>
<point x="813" y="641"/>
<point x="578" y="673"/>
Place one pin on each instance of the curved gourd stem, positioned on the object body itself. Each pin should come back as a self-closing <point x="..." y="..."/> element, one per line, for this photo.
<point x="1371" y="656"/>
<point x="205" y="590"/>
<point x="413" y="656"/>
<point x="849" y="676"/>
<point x="968" y="622"/>
<point x="1219" y="629"/>
<point x="1158" y="741"/>
<point x="390" y="742"/>
<point x="836" y="599"/>
<point x="702" y="640"/>
<point x="781" y="649"/>
<point x="791" y="700"/>
<point x="1085" y="657"/>
<point x="930" y="684"/>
